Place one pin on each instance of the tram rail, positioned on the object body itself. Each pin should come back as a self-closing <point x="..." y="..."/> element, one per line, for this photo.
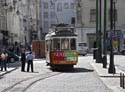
<point x="28" y="82"/>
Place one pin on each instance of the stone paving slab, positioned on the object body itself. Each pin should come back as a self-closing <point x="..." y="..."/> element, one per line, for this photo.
<point x="112" y="81"/>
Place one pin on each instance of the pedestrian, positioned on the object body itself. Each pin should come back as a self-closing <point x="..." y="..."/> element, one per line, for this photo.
<point x="30" y="58"/>
<point x="23" y="60"/>
<point x="3" y="60"/>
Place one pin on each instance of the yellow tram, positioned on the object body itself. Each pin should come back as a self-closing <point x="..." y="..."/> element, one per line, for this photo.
<point x="61" y="47"/>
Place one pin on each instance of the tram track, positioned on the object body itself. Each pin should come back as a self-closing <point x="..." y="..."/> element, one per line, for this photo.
<point x="23" y="85"/>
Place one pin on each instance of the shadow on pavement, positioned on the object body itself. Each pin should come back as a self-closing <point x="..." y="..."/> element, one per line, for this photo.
<point x="14" y="64"/>
<point x="31" y="72"/>
<point x="74" y="70"/>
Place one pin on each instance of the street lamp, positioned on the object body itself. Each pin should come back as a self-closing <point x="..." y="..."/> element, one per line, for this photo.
<point x="111" y="65"/>
<point x="114" y="13"/>
<point x="97" y="31"/>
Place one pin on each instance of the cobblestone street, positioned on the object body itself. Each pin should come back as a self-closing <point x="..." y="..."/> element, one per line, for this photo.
<point x="82" y="79"/>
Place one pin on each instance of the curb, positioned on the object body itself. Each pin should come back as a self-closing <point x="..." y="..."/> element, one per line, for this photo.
<point x="110" y="80"/>
<point x="6" y="72"/>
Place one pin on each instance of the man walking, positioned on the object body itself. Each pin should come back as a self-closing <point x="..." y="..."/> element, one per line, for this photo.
<point x="30" y="58"/>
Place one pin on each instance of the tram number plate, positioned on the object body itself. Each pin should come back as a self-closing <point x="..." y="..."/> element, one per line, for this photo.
<point x="70" y="59"/>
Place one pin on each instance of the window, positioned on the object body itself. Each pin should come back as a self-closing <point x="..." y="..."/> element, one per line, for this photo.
<point x="93" y="15"/>
<point x="66" y="5"/>
<point x="79" y="16"/>
<point x="72" y="5"/>
<point x="114" y="14"/>
<point x="45" y="5"/>
<point x="52" y="5"/>
<point x="56" y="44"/>
<point x="65" y="44"/>
<point x="59" y="7"/>
<point x="82" y="44"/>
<point x="52" y="14"/>
<point x="45" y="14"/>
<point x="46" y="24"/>
<point x="73" y="44"/>
<point x="52" y="23"/>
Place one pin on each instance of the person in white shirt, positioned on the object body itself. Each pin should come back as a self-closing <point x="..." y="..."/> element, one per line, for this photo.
<point x="30" y="58"/>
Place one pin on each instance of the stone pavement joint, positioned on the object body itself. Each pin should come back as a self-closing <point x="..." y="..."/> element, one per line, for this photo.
<point x="112" y="81"/>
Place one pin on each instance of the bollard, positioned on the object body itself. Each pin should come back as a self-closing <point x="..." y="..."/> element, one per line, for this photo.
<point x="123" y="82"/>
<point x="120" y="79"/>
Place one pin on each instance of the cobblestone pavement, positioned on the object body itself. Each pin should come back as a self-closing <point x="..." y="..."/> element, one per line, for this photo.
<point x="82" y="79"/>
<point x="14" y="76"/>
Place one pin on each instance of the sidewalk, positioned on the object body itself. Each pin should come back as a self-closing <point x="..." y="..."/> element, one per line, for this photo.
<point x="13" y="66"/>
<point x="10" y="67"/>
<point x="112" y="81"/>
<point x="8" y="71"/>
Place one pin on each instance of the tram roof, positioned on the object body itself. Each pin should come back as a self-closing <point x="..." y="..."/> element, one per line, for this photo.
<point x="61" y="30"/>
<point x="61" y="34"/>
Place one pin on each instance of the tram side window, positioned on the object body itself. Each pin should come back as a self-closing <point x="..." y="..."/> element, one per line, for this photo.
<point x="56" y="44"/>
<point x="65" y="44"/>
<point x="73" y="44"/>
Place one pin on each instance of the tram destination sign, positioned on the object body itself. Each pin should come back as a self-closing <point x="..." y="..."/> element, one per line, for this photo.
<point x="64" y="55"/>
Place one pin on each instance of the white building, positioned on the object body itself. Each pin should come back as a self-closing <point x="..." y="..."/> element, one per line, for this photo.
<point x="8" y="19"/>
<point x="55" y="12"/>
<point x="28" y="14"/>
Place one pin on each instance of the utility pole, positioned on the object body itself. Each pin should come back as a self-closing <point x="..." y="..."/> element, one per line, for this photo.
<point x="111" y="65"/>
<point x="100" y="33"/>
<point x="104" y="41"/>
<point x="97" y="35"/>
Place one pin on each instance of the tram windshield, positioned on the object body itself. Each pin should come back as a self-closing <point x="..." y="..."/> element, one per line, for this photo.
<point x="56" y="44"/>
<point x="64" y="44"/>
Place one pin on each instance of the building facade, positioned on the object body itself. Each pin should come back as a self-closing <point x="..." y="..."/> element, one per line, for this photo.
<point x="88" y="21"/>
<point x="7" y="17"/>
<point x="55" y="12"/>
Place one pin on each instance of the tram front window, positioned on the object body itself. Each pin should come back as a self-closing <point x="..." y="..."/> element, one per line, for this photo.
<point x="65" y="44"/>
<point x="73" y="44"/>
<point x="56" y="44"/>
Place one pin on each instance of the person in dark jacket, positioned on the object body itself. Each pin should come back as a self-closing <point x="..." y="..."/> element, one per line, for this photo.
<point x="23" y="60"/>
<point x="30" y="58"/>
